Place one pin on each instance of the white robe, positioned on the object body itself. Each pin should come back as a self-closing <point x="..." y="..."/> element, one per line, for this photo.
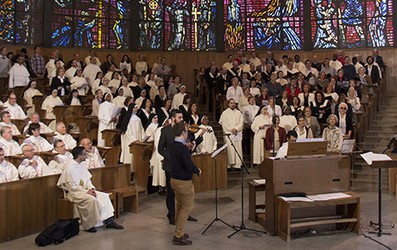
<point x="90" y="72"/>
<point x="28" y="97"/>
<point x="18" y="76"/>
<point x="114" y="84"/>
<point x="119" y="101"/>
<point x="105" y="113"/>
<point x="8" y="172"/>
<point x="58" y="164"/>
<point x="94" y="159"/>
<point x="258" y="154"/>
<point x="15" y="110"/>
<point x="48" y="105"/>
<point x="135" y="132"/>
<point x="10" y="147"/>
<point x="236" y="94"/>
<point x="209" y="143"/>
<point x="104" y="90"/>
<point x="44" y="129"/>
<point x="288" y="122"/>
<point x="150" y="131"/>
<point x="70" y="142"/>
<point x="127" y="91"/>
<point x="27" y="170"/>
<point x="232" y="119"/>
<point x="70" y="73"/>
<point x="277" y="111"/>
<point x="39" y="143"/>
<point x="79" y="83"/>
<point x="156" y="162"/>
<point x="92" y="211"/>
<point x="249" y="113"/>
<point x="14" y="128"/>
<point x="177" y="100"/>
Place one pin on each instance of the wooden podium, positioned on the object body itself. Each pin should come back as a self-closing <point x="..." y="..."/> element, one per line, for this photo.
<point x="142" y="152"/>
<point x="205" y="182"/>
<point x="310" y="175"/>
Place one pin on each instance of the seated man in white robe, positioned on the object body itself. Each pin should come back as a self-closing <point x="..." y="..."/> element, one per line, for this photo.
<point x="291" y="137"/>
<point x="60" y="133"/>
<point x="15" y="110"/>
<point x="91" y="70"/>
<point x="35" y="118"/>
<point x="5" y="117"/>
<point x="57" y="165"/>
<point x="94" y="208"/>
<point x="39" y="143"/>
<point x="32" y="166"/>
<point x="8" y="172"/>
<point x="9" y="146"/>
<point x="94" y="158"/>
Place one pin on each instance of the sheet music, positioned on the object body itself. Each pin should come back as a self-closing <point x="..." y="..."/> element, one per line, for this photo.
<point x="370" y="157"/>
<point x="310" y="140"/>
<point x="216" y="152"/>
<point x="237" y="137"/>
<point x="260" y="181"/>
<point x="325" y="197"/>
<point x="348" y="146"/>
<point x="304" y="199"/>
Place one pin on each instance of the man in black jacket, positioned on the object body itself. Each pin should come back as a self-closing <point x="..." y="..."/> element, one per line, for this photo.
<point x="182" y="172"/>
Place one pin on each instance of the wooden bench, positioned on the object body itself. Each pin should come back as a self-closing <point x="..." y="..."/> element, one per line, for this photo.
<point x="348" y="211"/>
<point x="252" y="205"/>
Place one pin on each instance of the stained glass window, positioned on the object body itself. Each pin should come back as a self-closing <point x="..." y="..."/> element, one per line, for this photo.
<point x="352" y="23"/>
<point x="177" y="24"/>
<point x="89" y="23"/>
<point x="21" y="21"/>
<point x="268" y="24"/>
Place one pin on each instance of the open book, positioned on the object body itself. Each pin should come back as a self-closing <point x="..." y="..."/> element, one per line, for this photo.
<point x="370" y="157"/>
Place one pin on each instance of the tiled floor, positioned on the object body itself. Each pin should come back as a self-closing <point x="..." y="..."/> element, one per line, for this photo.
<point x="149" y="228"/>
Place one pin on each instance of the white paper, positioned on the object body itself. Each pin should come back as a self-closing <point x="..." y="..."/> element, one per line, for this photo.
<point x="216" y="152"/>
<point x="310" y="140"/>
<point x="237" y="137"/>
<point x="260" y="181"/>
<point x="325" y="197"/>
<point x="304" y="199"/>
<point x="370" y="157"/>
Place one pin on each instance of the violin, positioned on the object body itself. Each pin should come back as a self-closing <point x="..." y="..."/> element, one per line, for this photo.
<point x="194" y="128"/>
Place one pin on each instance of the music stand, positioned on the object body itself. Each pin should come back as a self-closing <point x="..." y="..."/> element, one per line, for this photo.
<point x="213" y="155"/>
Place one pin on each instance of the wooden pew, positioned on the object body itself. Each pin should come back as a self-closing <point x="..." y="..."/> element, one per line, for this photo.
<point x="142" y="152"/>
<point x="70" y="113"/>
<point x="112" y="140"/>
<point x="88" y="127"/>
<point x="20" y="123"/>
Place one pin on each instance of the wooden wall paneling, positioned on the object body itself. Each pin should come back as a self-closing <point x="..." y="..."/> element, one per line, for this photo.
<point x="51" y="194"/>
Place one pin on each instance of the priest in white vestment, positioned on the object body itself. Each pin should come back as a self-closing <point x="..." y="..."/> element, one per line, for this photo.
<point x="32" y="166"/>
<point x="134" y="132"/>
<point x="177" y="100"/>
<point x="209" y="143"/>
<point x="9" y="146"/>
<point x="94" y="158"/>
<point x="15" y="110"/>
<point x="232" y="124"/>
<point x="259" y="126"/>
<point x="94" y="208"/>
<point x="36" y="140"/>
<point x="60" y="133"/>
<point x="107" y="117"/>
<point x="35" y="118"/>
<point x="91" y="70"/>
<point x="18" y="74"/>
<point x="5" y="120"/>
<point x="8" y="172"/>
<point x="58" y="164"/>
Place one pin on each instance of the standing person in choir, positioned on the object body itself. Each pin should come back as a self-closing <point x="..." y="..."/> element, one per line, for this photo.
<point x="35" y="118"/>
<point x="93" y="207"/>
<point x="151" y="129"/>
<point x="275" y="135"/>
<point x="303" y="131"/>
<point x="156" y="162"/>
<point x="160" y="98"/>
<point x="259" y="126"/>
<point x="125" y="112"/>
<point x="32" y="166"/>
<point x="96" y="102"/>
<point x="119" y="99"/>
<point x="60" y="134"/>
<point x="15" y="110"/>
<point x="135" y="132"/>
<point x="31" y="91"/>
<point x="126" y="90"/>
<point x="164" y="111"/>
<point x="18" y="74"/>
<point x="174" y="87"/>
<point x="306" y="97"/>
<point x="48" y="105"/>
<point x="184" y="108"/>
<point x="74" y="98"/>
<point x="144" y="112"/>
<point x="333" y="135"/>
<point x="58" y="164"/>
<point x="194" y="116"/>
<point x="177" y="99"/>
<point x="287" y="121"/>
<point x="125" y="64"/>
<point x="5" y="120"/>
<point x="8" y="172"/>
<point x="273" y="108"/>
<point x="345" y="120"/>
<point x="9" y="146"/>
<point x="36" y="140"/>
<point x="94" y="158"/>
<point x="234" y="92"/>
<point x="5" y="63"/>
<point x="97" y="82"/>
<point x="142" y="96"/>
<point x="232" y="123"/>
<point x="115" y="82"/>
<point x="312" y="122"/>
<point x="91" y="70"/>
<point x="209" y="143"/>
<point x="106" y="116"/>
<point x="79" y="83"/>
<point x="70" y="72"/>
<point x="141" y="65"/>
<point x="61" y="83"/>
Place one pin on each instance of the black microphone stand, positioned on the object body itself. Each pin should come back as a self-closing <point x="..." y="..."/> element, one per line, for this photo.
<point x="242" y="225"/>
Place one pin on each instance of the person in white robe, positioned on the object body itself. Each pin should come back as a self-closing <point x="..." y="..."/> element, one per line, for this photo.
<point x="96" y="102"/>
<point x="28" y="95"/>
<point x="135" y="132"/>
<point x="15" y="110"/>
<point x="8" y="172"/>
<point x="18" y="74"/>
<point x="127" y="91"/>
<point x="94" y="208"/>
<point x="107" y="116"/>
<point x="232" y="123"/>
<point x="273" y="108"/>
<point x="287" y="121"/>
<point x="98" y="81"/>
<point x="32" y="166"/>
<point x="250" y="111"/>
<point x="48" y="105"/>
<point x="259" y="126"/>
<point x="234" y="92"/>
<point x="119" y="99"/>
<point x="5" y="120"/>
<point x="156" y="162"/>
<point x="94" y="158"/>
<point x="115" y="82"/>
<point x="141" y="98"/>
<point x="209" y="143"/>
<point x="52" y="65"/>
<point x="104" y="87"/>
<point x="58" y="164"/>
<point x="151" y="129"/>
<point x="72" y="70"/>
<point x="91" y="70"/>
<point x="283" y="150"/>
<point x="61" y="134"/>
<point x="177" y="100"/>
<point x="87" y="59"/>
<point x="35" y="118"/>
<point x="79" y="83"/>
<point x="9" y="146"/>
<point x="36" y="140"/>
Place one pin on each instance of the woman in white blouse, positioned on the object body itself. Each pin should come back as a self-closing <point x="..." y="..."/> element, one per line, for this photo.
<point x="353" y="100"/>
<point x="28" y="95"/>
<point x="125" y="64"/>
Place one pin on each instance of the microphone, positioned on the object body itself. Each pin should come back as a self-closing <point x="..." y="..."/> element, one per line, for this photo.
<point x="391" y="141"/>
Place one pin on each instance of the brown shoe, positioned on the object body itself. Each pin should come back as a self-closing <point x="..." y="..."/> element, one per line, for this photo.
<point x="186" y="236"/>
<point x="181" y="241"/>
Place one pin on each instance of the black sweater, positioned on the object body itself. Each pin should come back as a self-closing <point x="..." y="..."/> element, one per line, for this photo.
<point x="183" y="167"/>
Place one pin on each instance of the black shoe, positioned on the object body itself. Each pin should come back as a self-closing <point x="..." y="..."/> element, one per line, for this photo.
<point x="190" y="218"/>
<point x="114" y="225"/>
<point x="91" y="230"/>
<point x="162" y="192"/>
<point x="171" y="221"/>
<point x="229" y="170"/>
<point x="181" y="241"/>
<point x="237" y="169"/>
<point x="186" y="236"/>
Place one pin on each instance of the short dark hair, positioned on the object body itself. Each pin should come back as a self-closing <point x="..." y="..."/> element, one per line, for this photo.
<point x="32" y="127"/>
<point x="292" y="133"/>
<point x="77" y="151"/>
<point x="56" y="142"/>
<point x="174" y="112"/>
<point x="179" y="128"/>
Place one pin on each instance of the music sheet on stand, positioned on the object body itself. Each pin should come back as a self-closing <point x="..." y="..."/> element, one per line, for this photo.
<point x="370" y="157"/>
<point x="325" y="197"/>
